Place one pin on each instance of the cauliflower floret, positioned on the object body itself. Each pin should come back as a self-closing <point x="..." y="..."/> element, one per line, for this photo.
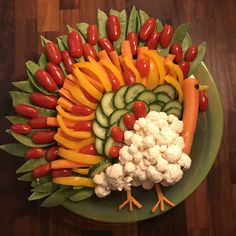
<point x="100" y="179"/>
<point x="147" y="184"/>
<point x="146" y="162"/>
<point x="154" y="175"/>
<point x="185" y="161"/>
<point x="136" y="182"/>
<point x="153" y="116"/>
<point x="148" y="141"/>
<point x="143" y="176"/>
<point x="137" y="157"/>
<point x="141" y="123"/>
<point x="142" y="166"/>
<point x="171" y="118"/>
<point x="137" y="140"/>
<point x="162" y="164"/>
<point x="173" y="153"/>
<point x="133" y="149"/>
<point x="177" y="126"/>
<point x="128" y="135"/>
<point x="180" y="142"/>
<point x="166" y="136"/>
<point x="101" y="191"/>
<point x="153" y="153"/>
<point x="163" y="148"/>
<point x="127" y="183"/>
<point x="115" y="171"/>
<point x="172" y="175"/>
<point x="125" y="156"/>
<point x="129" y="167"/>
<point x="151" y="129"/>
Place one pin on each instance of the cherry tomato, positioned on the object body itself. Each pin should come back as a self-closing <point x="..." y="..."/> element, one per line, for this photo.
<point x="42" y="170"/>
<point x="75" y="44"/>
<point x="45" y="80"/>
<point x="117" y="134"/>
<point x="184" y="66"/>
<point x="147" y="28"/>
<point x="139" y="109"/>
<point x="176" y="49"/>
<point x="143" y="66"/>
<point x="191" y="53"/>
<point x="153" y="40"/>
<point x="113" y="28"/>
<point x="34" y="152"/>
<point x="129" y="120"/>
<point x="56" y="73"/>
<point x="51" y="153"/>
<point x="53" y="53"/>
<point x="68" y="61"/>
<point x="61" y="173"/>
<point x="21" y="128"/>
<point x="166" y="36"/>
<point x="106" y="44"/>
<point x="115" y="83"/>
<point x="26" y="110"/>
<point x="203" y="101"/>
<point x="83" y="126"/>
<point x="38" y="122"/>
<point x="92" y="32"/>
<point x="43" y="136"/>
<point x="129" y="76"/>
<point x="89" y="96"/>
<point x="81" y="110"/>
<point x="89" y="51"/>
<point x="114" y="151"/>
<point x="88" y="149"/>
<point x="42" y="100"/>
<point x="133" y="40"/>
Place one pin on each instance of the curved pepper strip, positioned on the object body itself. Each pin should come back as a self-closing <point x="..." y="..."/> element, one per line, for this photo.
<point x="70" y="132"/>
<point x="153" y="76"/>
<point x="170" y="69"/>
<point x="82" y="171"/>
<point x="179" y="74"/>
<point x="169" y="79"/>
<point x="66" y="164"/>
<point x="74" y="181"/>
<point x="95" y="83"/>
<point x="85" y="84"/>
<point x="72" y="117"/>
<point x="79" y="157"/>
<point x="65" y="103"/>
<point x="128" y="63"/>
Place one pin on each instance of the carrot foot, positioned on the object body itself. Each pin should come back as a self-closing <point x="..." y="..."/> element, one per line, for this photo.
<point x="130" y="200"/>
<point x="161" y="200"/>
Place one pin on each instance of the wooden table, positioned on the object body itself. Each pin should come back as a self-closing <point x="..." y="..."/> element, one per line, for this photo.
<point x="211" y="209"/>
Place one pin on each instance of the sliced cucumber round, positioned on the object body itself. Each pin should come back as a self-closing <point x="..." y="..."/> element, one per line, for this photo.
<point x="108" y="144"/>
<point x="108" y="133"/>
<point x="119" y="97"/>
<point x="146" y="96"/>
<point x="174" y="111"/>
<point x="99" y="145"/>
<point x="107" y="103"/>
<point x="99" y="167"/>
<point x="133" y="91"/>
<point x="165" y="88"/>
<point x="173" y="104"/>
<point x="130" y="105"/>
<point x="155" y="107"/>
<point x="101" y="118"/>
<point x="99" y="131"/>
<point x="116" y="115"/>
<point x="163" y="97"/>
<point x="122" y="124"/>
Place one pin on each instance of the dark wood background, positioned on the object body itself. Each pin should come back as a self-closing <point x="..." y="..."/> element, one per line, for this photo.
<point x="211" y="209"/>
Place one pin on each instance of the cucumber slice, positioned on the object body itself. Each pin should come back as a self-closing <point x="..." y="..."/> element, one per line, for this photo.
<point x="146" y="96"/>
<point x="119" y="97"/>
<point x="101" y="118"/>
<point x="99" y="167"/>
<point x="99" y="145"/>
<point x="165" y="88"/>
<point x="173" y="104"/>
<point x="174" y="111"/>
<point x="122" y="124"/>
<point x="133" y="91"/>
<point x="163" y="97"/>
<point x="108" y="133"/>
<point x="107" y="103"/>
<point x="116" y="115"/>
<point x="155" y="107"/>
<point x="99" y="131"/>
<point x="109" y="143"/>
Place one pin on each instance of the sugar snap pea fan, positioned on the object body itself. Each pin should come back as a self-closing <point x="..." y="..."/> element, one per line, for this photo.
<point x="83" y="87"/>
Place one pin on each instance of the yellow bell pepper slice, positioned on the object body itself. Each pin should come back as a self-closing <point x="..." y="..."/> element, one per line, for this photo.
<point x="113" y="69"/>
<point x="128" y="63"/>
<point x="85" y="84"/>
<point x="153" y="76"/>
<point x="171" y="69"/>
<point x="169" y="79"/>
<point x="73" y="117"/>
<point x="82" y="171"/>
<point x="70" y="132"/>
<point x="179" y="74"/>
<point x="66" y="164"/>
<point x="74" y="181"/>
<point x="79" y="157"/>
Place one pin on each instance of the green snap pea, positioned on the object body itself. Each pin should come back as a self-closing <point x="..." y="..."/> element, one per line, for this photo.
<point x="159" y="25"/>
<point x="37" y="196"/>
<point x="46" y="187"/>
<point x="143" y="17"/>
<point x="70" y="29"/>
<point x="81" y="194"/>
<point x="31" y="164"/>
<point x="44" y="41"/>
<point x="102" y="21"/>
<point x="42" y="61"/>
<point x="82" y="27"/>
<point x="61" y="47"/>
<point x="187" y="42"/>
<point x="27" y="177"/>
<point x="132" y="22"/>
<point x="24" y="86"/>
<point x="17" y="119"/>
<point x="36" y="182"/>
<point x="63" y="39"/>
<point x="16" y="149"/>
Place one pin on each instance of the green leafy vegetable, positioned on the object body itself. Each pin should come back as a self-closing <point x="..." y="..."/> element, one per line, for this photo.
<point x="31" y="164"/>
<point x="36" y="196"/>
<point x="24" y="85"/>
<point x="42" y="61"/>
<point x="26" y="177"/>
<point x="45" y="187"/>
<point x="16" y="149"/>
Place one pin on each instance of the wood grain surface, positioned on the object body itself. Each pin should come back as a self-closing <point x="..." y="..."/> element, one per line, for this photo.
<point x="211" y="209"/>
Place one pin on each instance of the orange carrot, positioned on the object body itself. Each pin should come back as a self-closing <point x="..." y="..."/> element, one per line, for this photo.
<point x="190" y="111"/>
<point x="115" y="59"/>
<point x="126" y="50"/>
<point x="64" y="164"/>
<point x="65" y="103"/>
<point x="103" y="55"/>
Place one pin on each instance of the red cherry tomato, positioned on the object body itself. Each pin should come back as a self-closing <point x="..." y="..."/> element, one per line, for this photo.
<point x="143" y="66"/>
<point x="45" y="80"/>
<point x="53" y="53"/>
<point x="115" y="83"/>
<point x="113" y="28"/>
<point x="42" y="100"/>
<point x="106" y="44"/>
<point x="44" y="136"/>
<point x="38" y="122"/>
<point x="133" y="40"/>
<point x="34" y="152"/>
<point x="68" y="61"/>
<point x="83" y="126"/>
<point x="129" y="76"/>
<point x="153" y="40"/>
<point x="114" y="151"/>
<point x="81" y="110"/>
<point x="75" y="44"/>
<point x="166" y="36"/>
<point x="139" y="109"/>
<point x="88" y="149"/>
<point x="51" y="153"/>
<point x="42" y="170"/>
<point x="176" y="49"/>
<point x="117" y="134"/>
<point x="147" y="28"/>
<point x="129" y="120"/>
<point x="191" y="53"/>
<point x="203" y="101"/>
<point x="89" y="51"/>
<point x="56" y="73"/>
<point x="61" y="173"/>
<point x="26" y="110"/>
<point x="21" y="128"/>
<point x="184" y="66"/>
<point x="92" y="32"/>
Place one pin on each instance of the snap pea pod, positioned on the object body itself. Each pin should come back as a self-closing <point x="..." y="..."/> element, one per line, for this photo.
<point x="61" y="47"/>
<point x="82" y="27"/>
<point x="143" y="17"/>
<point x="81" y="194"/>
<point x="187" y="42"/>
<point x="132" y="22"/>
<point x="159" y="25"/>
<point x="70" y="29"/>
<point x="57" y="197"/>
<point x="37" y="196"/>
<point x="42" y="61"/>
<point x="102" y="21"/>
<point x="24" y="86"/>
<point x="17" y="119"/>
<point x="44" y="41"/>
<point x="36" y="182"/>
<point x="63" y="39"/>
<point x="46" y="187"/>
<point x="30" y="165"/>
<point x="16" y="149"/>
<point x="27" y="177"/>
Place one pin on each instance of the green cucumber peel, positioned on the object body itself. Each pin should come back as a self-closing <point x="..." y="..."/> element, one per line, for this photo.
<point x="132" y="22"/>
<point x="24" y="86"/>
<point x="83" y="27"/>
<point x="42" y="61"/>
<point x="102" y="22"/>
<point x="27" y="177"/>
<point x="187" y="42"/>
<point x="143" y="17"/>
<point x="17" y="119"/>
<point x="197" y="61"/>
<point x="37" y="196"/>
<point x="81" y="194"/>
<point x="31" y="164"/>
<point x="15" y="149"/>
<point x="45" y="187"/>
